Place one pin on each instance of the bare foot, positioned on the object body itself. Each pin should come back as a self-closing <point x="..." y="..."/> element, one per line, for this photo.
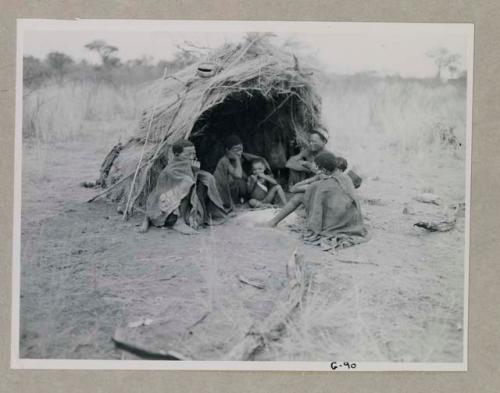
<point x="184" y="229"/>
<point x="144" y="227"/>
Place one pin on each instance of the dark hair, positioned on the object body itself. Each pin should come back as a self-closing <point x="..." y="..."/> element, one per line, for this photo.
<point x="326" y="160"/>
<point x="320" y="134"/>
<point x="178" y="147"/>
<point x="259" y="160"/>
<point x="341" y="163"/>
<point x="232" y="140"/>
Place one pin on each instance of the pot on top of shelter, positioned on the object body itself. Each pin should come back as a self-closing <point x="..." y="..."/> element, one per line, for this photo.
<point x="206" y="69"/>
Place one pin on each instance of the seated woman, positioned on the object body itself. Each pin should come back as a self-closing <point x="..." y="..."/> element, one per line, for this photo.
<point x="263" y="188"/>
<point x="229" y="175"/>
<point x="333" y="213"/>
<point x="301" y="166"/>
<point x="302" y="186"/>
<point x="184" y="197"/>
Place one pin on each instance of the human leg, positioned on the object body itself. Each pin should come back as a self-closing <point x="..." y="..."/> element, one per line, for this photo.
<point x="274" y="192"/>
<point x="269" y="198"/>
<point x="289" y="208"/>
<point x="281" y="195"/>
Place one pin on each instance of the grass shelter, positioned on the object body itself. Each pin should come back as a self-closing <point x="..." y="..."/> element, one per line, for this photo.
<point x="255" y="89"/>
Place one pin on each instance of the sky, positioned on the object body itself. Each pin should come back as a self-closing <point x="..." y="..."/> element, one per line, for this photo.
<point x="344" y="51"/>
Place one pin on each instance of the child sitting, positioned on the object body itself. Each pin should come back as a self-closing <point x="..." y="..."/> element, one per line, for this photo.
<point x="263" y="189"/>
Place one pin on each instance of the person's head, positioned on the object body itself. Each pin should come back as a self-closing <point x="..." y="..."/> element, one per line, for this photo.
<point x="234" y="145"/>
<point x="341" y="164"/>
<point x="184" y="150"/>
<point x="317" y="140"/>
<point x="326" y="162"/>
<point x="258" y="166"/>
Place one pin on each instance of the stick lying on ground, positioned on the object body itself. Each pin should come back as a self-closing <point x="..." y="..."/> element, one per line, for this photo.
<point x="436" y="226"/>
<point x="356" y="262"/>
<point x="253" y="283"/>
<point x="144" y="353"/>
<point x="275" y="324"/>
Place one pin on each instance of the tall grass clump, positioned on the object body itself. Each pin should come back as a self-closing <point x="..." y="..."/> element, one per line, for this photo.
<point x="64" y="98"/>
<point x="372" y="120"/>
<point x="60" y="111"/>
<point x="376" y="120"/>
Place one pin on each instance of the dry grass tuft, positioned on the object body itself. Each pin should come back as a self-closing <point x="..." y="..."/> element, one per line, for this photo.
<point x="373" y="121"/>
<point x="61" y="112"/>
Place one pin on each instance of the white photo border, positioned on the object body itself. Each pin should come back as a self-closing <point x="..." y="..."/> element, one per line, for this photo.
<point x="465" y="29"/>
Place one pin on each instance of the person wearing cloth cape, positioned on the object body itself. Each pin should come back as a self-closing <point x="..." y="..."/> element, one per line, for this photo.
<point x="333" y="213"/>
<point x="184" y="198"/>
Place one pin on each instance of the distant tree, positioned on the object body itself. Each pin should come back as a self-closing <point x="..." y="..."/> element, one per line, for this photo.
<point x="58" y="60"/>
<point x="105" y="52"/>
<point x="59" y="64"/>
<point x="445" y="61"/>
<point x="34" y="73"/>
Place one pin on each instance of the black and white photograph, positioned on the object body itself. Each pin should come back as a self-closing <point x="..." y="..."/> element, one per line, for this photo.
<point x="242" y="195"/>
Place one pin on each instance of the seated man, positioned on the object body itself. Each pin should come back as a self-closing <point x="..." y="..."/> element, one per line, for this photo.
<point x="184" y="198"/>
<point x="333" y="213"/>
<point x="301" y="165"/>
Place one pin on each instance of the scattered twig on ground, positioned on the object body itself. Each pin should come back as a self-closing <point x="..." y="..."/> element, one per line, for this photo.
<point x="168" y="278"/>
<point x="253" y="283"/>
<point x="356" y="262"/>
<point x="196" y="323"/>
<point x="374" y="201"/>
<point x="200" y="320"/>
<point x="273" y="327"/>
<point x="119" y="338"/>
<point x="436" y="226"/>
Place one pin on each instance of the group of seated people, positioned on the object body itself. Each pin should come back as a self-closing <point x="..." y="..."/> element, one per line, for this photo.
<point x="186" y="198"/>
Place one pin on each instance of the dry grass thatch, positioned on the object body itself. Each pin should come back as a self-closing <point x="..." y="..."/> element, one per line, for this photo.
<point x="254" y="67"/>
<point x="259" y="91"/>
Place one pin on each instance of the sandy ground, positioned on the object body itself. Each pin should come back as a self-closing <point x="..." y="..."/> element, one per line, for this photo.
<point x="86" y="272"/>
